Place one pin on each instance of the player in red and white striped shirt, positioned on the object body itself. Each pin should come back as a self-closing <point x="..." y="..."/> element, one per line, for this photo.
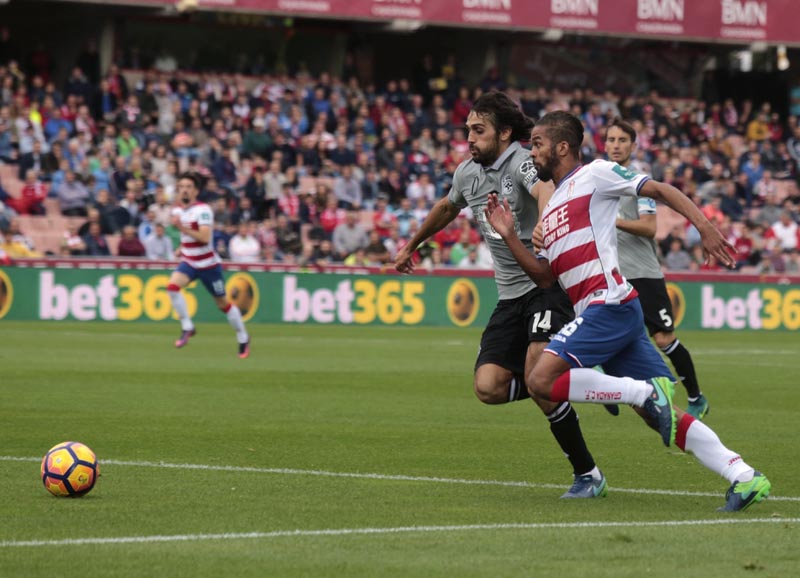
<point x="579" y="241"/>
<point x="199" y="261"/>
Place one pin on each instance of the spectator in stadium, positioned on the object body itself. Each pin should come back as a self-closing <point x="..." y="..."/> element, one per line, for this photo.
<point x="785" y="231"/>
<point x="55" y="124"/>
<point x="129" y="243"/>
<point x="677" y="259"/>
<point x="376" y="251"/>
<point x="257" y="141"/>
<point x="158" y="246"/>
<point x="160" y="208"/>
<point x="10" y="248"/>
<point x="73" y="244"/>
<point x="287" y="237"/>
<point x="129" y="204"/>
<point x="404" y="215"/>
<point x="349" y="236"/>
<point x="95" y="241"/>
<point x="146" y="225"/>
<point x="6" y="212"/>
<point x="273" y="186"/>
<point x="36" y="160"/>
<point x="34" y="192"/>
<point x="422" y="187"/>
<point x="347" y="189"/>
<point x="244" y="247"/>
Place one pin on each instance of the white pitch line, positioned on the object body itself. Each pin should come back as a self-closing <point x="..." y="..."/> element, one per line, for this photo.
<point x="388" y="477"/>
<point x="378" y="531"/>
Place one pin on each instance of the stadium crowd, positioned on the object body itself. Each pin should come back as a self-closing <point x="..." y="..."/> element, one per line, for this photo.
<point x="311" y="170"/>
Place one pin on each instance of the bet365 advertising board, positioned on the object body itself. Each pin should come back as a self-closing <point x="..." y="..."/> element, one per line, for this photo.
<point x="92" y="293"/>
<point x="96" y="294"/>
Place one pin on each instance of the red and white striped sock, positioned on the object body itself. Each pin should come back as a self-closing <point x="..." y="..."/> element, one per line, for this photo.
<point x="235" y="319"/>
<point x="180" y="307"/>
<point x="583" y="385"/>
<point x="693" y="436"/>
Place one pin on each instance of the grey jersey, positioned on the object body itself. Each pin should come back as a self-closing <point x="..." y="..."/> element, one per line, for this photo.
<point x="511" y="176"/>
<point x="638" y="258"/>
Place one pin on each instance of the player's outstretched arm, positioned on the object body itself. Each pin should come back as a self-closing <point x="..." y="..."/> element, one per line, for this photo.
<point x="714" y="243"/>
<point x="440" y="216"/>
<point x="500" y="218"/>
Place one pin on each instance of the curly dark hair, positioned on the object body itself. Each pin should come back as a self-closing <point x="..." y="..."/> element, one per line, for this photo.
<point x="503" y="113"/>
<point x="563" y="126"/>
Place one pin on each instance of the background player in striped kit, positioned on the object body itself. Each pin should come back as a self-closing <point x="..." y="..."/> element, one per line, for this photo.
<point x="199" y="260"/>
<point x="638" y="261"/>
<point x="580" y="253"/>
<point x="525" y="316"/>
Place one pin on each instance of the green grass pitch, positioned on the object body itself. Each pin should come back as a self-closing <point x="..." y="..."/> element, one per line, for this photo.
<point x="362" y="452"/>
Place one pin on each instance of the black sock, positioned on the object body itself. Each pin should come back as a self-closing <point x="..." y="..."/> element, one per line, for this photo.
<point x="682" y="361"/>
<point x="567" y="431"/>
<point x="517" y="389"/>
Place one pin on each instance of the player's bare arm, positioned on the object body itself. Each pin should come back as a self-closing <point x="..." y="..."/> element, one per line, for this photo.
<point x="542" y="191"/>
<point x="538" y="237"/>
<point x="644" y="226"/>
<point x="500" y="218"/>
<point x="714" y="243"/>
<point x="442" y="213"/>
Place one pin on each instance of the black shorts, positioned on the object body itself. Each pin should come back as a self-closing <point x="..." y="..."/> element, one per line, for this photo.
<point x="656" y="305"/>
<point x="536" y="316"/>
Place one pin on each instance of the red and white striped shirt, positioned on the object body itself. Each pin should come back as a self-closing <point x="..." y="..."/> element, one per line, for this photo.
<point x="579" y="226"/>
<point x="193" y="252"/>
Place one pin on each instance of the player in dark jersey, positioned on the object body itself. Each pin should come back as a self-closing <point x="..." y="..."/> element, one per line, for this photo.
<point x="525" y="316"/>
<point x="638" y="261"/>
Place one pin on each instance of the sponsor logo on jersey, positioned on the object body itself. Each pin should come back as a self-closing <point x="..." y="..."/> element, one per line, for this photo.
<point x="507" y="185"/>
<point x="528" y="172"/>
<point x="626" y="174"/>
<point x="555" y="225"/>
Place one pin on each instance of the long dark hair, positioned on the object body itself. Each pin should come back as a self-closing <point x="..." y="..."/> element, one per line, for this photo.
<point x="503" y="113"/>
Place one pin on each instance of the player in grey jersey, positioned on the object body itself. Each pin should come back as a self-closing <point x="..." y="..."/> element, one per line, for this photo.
<point x="526" y="316"/>
<point x="638" y="260"/>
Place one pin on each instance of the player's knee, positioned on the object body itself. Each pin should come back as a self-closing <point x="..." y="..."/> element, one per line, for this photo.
<point x="538" y="384"/>
<point x="490" y="392"/>
<point x="663" y="339"/>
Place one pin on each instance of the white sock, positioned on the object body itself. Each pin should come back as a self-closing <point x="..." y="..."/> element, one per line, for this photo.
<point x="709" y="451"/>
<point x="179" y="305"/>
<point x="584" y="385"/>
<point x="595" y="472"/>
<point x="235" y="319"/>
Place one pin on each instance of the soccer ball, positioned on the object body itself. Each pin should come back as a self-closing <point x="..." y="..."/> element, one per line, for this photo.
<point x="69" y="470"/>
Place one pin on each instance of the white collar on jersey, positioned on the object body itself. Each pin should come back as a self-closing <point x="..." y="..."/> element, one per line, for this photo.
<point x="512" y="148"/>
